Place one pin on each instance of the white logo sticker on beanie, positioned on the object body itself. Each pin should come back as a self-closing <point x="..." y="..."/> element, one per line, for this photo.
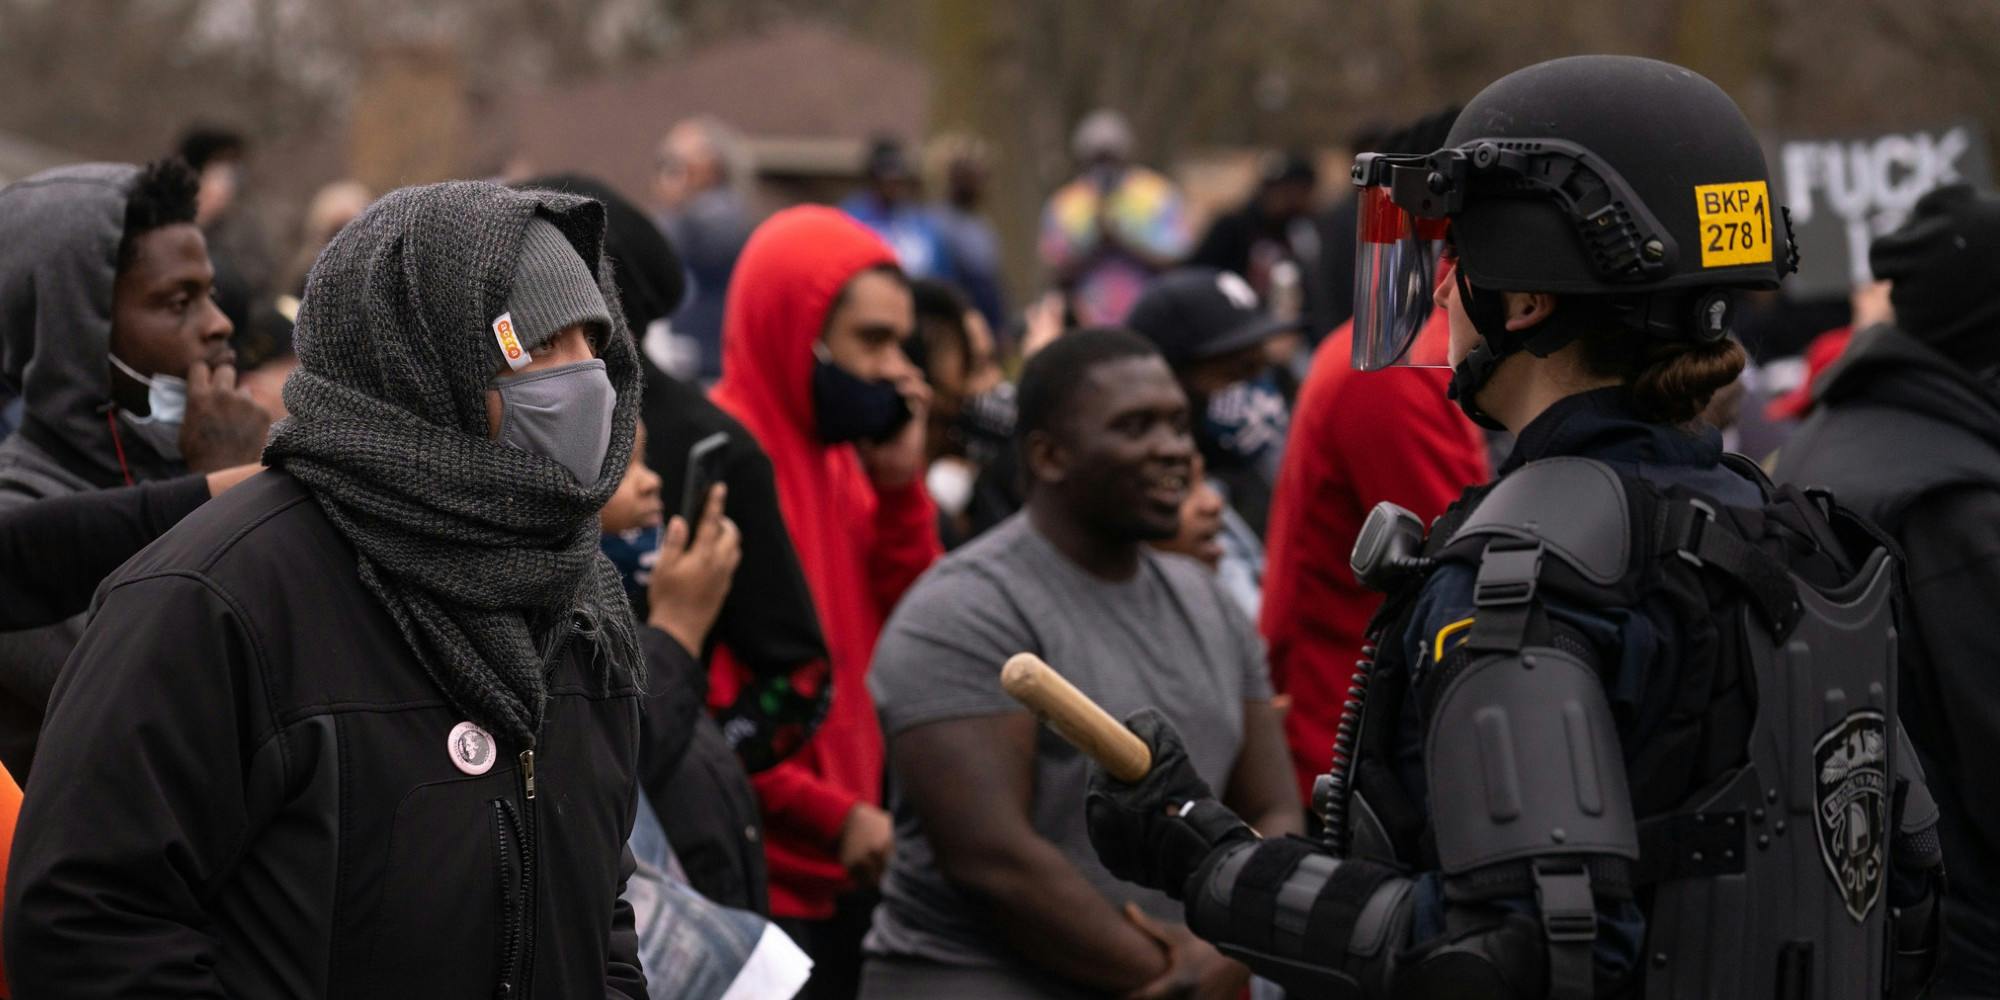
<point x="471" y="748"/>
<point x="510" y="345"/>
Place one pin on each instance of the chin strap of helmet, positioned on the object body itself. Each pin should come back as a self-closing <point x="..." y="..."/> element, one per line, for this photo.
<point x="1694" y="316"/>
<point x="1488" y="312"/>
<point x="1466" y="380"/>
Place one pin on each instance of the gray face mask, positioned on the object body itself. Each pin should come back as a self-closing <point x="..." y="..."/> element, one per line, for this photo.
<point x="561" y="413"/>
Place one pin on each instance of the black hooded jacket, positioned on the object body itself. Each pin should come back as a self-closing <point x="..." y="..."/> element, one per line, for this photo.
<point x="259" y="777"/>
<point x="1912" y="441"/>
<point x="247" y="789"/>
<point x="55" y="552"/>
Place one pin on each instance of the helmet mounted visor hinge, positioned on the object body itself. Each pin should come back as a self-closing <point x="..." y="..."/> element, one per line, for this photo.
<point x="1624" y="241"/>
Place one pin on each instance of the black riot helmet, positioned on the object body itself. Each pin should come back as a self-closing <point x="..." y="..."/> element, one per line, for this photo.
<point x="1632" y="181"/>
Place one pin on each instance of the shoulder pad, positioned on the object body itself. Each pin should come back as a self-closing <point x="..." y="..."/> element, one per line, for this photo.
<point x="1523" y="761"/>
<point x="1576" y="507"/>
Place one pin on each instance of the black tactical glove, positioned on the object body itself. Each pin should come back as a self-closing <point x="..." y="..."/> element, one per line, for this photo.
<point x="1157" y="832"/>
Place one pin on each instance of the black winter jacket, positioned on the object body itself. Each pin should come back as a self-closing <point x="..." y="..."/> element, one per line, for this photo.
<point x="1912" y="441"/>
<point x="247" y="787"/>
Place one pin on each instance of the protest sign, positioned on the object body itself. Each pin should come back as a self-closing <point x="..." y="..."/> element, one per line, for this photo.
<point x="1844" y="192"/>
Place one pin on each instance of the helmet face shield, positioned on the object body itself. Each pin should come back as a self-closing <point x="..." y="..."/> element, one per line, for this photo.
<point x="1398" y="259"/>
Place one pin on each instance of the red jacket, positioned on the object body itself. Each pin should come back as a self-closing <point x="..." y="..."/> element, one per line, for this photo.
<point x="1357" y="438"/>
<point x="859" y="549"/>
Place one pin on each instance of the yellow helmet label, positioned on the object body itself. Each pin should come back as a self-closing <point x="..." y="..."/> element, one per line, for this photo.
<point x="1735" y="223"/>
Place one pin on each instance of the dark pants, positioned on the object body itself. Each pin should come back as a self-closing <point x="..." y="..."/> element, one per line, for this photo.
<point x="834" y="945"/>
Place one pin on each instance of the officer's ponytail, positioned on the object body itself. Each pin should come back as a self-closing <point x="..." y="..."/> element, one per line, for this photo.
<point x="1674" y="389"/>
<point x="1671" y="381"/>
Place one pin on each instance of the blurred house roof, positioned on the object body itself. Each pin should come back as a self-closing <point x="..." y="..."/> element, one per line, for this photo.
<point x="22" y="157"/>
<point x="805" y="97"/>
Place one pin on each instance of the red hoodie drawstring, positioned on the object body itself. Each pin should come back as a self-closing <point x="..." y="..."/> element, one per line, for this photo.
<point x="118" y="444"/>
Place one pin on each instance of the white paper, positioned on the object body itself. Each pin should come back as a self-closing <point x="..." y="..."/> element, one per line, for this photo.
<point x="775" y="970"/>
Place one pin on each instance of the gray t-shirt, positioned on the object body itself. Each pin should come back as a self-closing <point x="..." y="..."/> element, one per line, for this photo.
<point x="1168" y="638"/>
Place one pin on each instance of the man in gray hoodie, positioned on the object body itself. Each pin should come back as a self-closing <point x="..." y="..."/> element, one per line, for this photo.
<point x="109" y="332"/>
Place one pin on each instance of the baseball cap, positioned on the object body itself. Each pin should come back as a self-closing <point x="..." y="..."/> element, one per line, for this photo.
<point x="1196" y="313"/>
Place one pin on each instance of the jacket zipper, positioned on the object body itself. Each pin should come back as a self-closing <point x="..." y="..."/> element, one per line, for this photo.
<point x="508" y="833"/>
<point x="530" y="849"/>
<point x="529" y="901"/>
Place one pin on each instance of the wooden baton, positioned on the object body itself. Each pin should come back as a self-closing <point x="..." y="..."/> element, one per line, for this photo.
<point x="1075" y="717"/>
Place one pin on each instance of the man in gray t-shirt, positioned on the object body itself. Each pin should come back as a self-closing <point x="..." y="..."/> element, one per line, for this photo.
<point x="994" y="890"/>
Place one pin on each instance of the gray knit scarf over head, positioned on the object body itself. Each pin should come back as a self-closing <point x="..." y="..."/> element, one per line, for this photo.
<point x="485" y="555"/>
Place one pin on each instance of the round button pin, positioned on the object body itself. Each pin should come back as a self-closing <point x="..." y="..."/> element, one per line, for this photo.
<point x="471" y="748"/>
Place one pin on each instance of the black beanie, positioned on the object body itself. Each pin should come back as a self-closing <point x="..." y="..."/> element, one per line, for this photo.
<point x="1943" y="263"/>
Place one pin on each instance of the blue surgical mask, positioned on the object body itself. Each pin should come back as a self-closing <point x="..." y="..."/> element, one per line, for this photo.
<point x="848" y="407"/>
<point x="561" y="413"/>
<point x="166" y="405"/>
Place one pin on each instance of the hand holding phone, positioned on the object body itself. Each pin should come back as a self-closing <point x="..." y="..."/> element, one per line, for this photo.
<point x="704" y="470"/>
<point x="692" y="575"/>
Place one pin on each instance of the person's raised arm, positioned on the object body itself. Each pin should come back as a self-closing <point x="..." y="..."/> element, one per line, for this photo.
<point x="692" y="577"/>
<point x="54" y="552"/>
<point x="972" y="783"/>
<point x="690" y="580"/>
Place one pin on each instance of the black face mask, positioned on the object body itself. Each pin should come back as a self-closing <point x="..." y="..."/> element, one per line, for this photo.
<point x="851" y="408"/>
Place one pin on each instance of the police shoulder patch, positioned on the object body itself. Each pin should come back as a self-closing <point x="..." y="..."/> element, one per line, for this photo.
<point x="1851" y="807"/>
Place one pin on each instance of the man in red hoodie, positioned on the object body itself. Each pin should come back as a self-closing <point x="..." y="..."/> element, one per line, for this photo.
<point x="1355" y="442"/>
<point x="812" y="365"/>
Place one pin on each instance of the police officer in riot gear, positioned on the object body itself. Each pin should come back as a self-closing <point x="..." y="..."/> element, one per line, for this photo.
<point x="1630" y="728"/>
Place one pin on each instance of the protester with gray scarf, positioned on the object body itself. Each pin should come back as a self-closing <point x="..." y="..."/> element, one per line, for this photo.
<point x="367" y="724"/>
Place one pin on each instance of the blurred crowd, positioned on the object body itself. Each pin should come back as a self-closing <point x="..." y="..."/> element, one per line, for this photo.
<point x="851" y="469"/>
